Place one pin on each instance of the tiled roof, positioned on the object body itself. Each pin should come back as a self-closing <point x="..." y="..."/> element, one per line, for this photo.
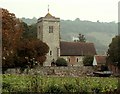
<point x="76" y="49"/>
<point x="100" y="59"/>
<point x="48" y="15"/>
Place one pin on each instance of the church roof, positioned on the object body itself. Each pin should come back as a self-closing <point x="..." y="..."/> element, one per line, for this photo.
<point x="76" y="49"/>
<point x="48" y="15"/>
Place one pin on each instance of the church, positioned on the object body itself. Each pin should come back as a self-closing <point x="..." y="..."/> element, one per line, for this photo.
<point x="48" y="31"/>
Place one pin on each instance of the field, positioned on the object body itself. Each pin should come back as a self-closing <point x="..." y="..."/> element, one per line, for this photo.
<point x="35" y="83"/>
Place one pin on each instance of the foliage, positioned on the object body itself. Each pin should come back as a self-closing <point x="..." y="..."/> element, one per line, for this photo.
<point x="81" y="38"/>
<point x="17" y="49"/>
<point x="32" y="31"/>
<point x="36" y="83"/>
<point x="29" y="31"/>
<point x="25" y="30"/>
<point x="31" y="51"/>
<point x="61" y="62"/>
<point x="11" y="35"/>
<point x="88" y="61"/>
<point x="114" y="50"/>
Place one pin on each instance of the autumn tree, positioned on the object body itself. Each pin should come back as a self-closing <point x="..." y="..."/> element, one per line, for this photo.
<point x="11" y="34"/>
<point x="17" y="51"/>
<point x="114" y="50"/>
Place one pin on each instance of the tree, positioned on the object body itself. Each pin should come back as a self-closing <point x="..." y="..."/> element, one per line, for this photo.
<point x="61" y="62"/>
<point x="17" y="50"/>
<point x="88" y="60"/>
<point x="11" y="34"/>
<point x="25" y="30"/>
<point x="114" y="50"/>
<point x="29" y="31"/>
<point x="33" y="31"/>
<point x="81" y="38"/>
<point x="31" y="51"/>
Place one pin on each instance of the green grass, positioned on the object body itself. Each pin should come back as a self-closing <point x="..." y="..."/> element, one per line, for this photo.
<point x="36" y="83"/>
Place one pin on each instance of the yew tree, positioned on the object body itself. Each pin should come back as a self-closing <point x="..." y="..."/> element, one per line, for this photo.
<point x="114" y="50"/>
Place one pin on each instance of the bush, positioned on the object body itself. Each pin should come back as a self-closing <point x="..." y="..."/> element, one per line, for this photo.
<point x="88" y="61"/>
<point x="61" y="62"/>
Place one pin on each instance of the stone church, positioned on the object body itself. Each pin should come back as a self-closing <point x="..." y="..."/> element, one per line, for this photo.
<point x="48" y="31"/>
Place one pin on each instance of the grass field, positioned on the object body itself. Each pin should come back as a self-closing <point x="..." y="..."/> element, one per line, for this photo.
<point x="36" y="83"/>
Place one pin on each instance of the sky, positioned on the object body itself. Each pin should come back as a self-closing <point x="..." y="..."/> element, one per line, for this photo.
<point x="92" y="10"/>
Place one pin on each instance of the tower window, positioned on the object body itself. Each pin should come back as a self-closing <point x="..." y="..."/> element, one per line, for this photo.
<point x="50" y="29"/>
<point x="50" y="52"/>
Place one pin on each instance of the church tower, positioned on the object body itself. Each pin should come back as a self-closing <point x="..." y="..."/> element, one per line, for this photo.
<point x="48" y="31"/>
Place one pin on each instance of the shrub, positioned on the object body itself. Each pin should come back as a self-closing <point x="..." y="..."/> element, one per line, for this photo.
<point x="61" y="62"/>
<point x="88" y="61"/>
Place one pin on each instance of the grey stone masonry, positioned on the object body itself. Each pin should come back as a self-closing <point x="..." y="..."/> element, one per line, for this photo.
<point x="48" y="31"/>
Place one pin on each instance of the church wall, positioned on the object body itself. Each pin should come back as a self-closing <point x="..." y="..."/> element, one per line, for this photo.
<point x="74" y="60"/>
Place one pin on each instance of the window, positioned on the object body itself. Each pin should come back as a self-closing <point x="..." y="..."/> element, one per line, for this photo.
<point x="77" y="59"/>
<point x="69" y="59"/>
<point x="50" y="52"/>
<point x="50" y="29"/>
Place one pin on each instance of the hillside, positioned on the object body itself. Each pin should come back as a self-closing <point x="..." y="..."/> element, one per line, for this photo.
<point x="100" y="33"/>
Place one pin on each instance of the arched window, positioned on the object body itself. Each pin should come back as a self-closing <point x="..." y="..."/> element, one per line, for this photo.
<point x="50" y="52"/>
<point x="77" y="59"/>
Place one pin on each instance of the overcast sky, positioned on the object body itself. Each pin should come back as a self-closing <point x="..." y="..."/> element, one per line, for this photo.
<point x="92" y="10"/>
